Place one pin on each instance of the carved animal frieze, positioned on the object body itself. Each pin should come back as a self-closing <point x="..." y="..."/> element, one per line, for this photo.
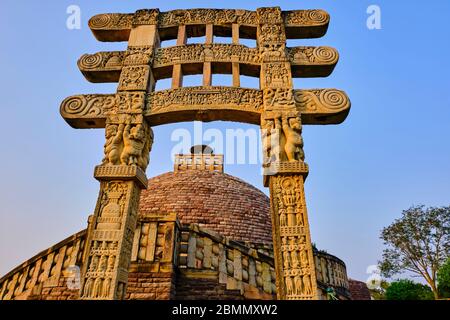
<point x="204" y="98"/>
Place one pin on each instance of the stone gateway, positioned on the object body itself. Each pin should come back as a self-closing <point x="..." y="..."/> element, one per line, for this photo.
<point x="160" y="251"/>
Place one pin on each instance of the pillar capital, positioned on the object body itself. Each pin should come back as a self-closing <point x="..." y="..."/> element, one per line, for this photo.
<point x="121" y="172"/>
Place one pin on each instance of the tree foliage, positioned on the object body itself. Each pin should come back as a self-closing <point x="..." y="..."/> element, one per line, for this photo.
<point x="379" y="293"/>
<point x="443" y="278"/>
<point x="408" y="290"/>
<point x="418" y="242"/>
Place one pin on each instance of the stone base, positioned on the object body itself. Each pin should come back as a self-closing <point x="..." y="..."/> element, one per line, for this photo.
<point x="111" y="172"/>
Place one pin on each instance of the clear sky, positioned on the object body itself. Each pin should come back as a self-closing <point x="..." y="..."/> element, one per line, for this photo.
<point x="393" y="151"/>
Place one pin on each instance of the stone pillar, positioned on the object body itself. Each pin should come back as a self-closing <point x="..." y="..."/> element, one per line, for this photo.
<point x="284" y="167"/>
<point x="129" y="139"/>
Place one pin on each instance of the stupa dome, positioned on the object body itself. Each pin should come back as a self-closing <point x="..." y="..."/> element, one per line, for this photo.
<point x="214" y="200"/>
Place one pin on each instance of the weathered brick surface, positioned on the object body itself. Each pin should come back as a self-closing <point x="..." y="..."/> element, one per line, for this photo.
<point x="150" y="286"/>
<point x="58" y="292"/>
<point x="204" y="289"/>
<point x="359" y="290"/>
<point x="216" y="201"/>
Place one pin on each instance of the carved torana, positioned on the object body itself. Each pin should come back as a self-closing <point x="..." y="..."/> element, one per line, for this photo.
<point x="128" y="115"/>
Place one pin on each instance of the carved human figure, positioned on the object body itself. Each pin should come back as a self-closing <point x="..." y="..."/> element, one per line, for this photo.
<point x="298" y="284"/>
<point x="283" y="219"/>
<point x="114" y="144"/>
<point x="97" y="291"/>
<point x="145" y="155"/>
<point x="307" y="289"/>
<point x="289" y="286"/>
<point x="87" y="291"/>
<point x="106" y="287"/>
<point x="292" y="129"/>
<point x="304" y="258"/>
<point x="94" y="264"/>
<point x="120" y="291"/>
<point x="134" y="142"/>
<point x="286" y="259"/>
<point x="294" y="259"/>
<point x="266" y="131"/>
<point x="276" y="141"/>
<point x="111" y="261"/>
<point x="299" y="218"/>
<point x="103" y="263"/>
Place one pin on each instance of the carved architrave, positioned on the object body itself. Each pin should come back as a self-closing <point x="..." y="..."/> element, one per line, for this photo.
<point x="146" y="17"/>
<point x="320" y="106"/>
<point x="306" y="18"/>
<point x="116" y="27"/>
<point x="313" y="55"/>
<point x="105" y="60"/>
<point x="195" y="53"/>
<point x="317" y="106"/>
<point x="269" y="15"/>
<point x="200" y="97"/>
<point x="206" y="16"/>
<point x="305" y="61"/>
<point x="138" y="55"/>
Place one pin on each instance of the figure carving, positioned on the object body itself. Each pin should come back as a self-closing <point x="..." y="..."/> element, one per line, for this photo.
<point x="292" y="129"/>
<point x="133" y="144"/>
<point x="88" y="287"/>
<point x="298" y="284"/>
<point x="286" y="259"/>
<point x="97" y="292"/>
<point x="304" y="258"/>
<point x="113" y="145"/>
<point x="307" y="289"/>
<point x="289" y="286"/>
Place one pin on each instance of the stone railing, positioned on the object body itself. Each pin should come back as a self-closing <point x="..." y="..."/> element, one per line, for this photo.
<point x="239" y="267"/>
<point x="44" y="273"/>
<point x="209" y="162"/>
<point x="332" y="272"/>
<point x="160" y="245"/>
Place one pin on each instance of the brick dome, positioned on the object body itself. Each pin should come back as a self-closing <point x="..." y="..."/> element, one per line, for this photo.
<point x="214" y="200"/>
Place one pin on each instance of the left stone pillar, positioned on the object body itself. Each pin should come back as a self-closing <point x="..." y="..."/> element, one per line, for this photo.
<point x="129" y="139"/>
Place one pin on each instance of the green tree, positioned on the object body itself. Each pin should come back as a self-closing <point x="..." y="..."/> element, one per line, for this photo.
<point x="443" y="278"/>
<point x="408" y="290"/>
<point x="418" y="242"/>
<point x="379" y="293"/>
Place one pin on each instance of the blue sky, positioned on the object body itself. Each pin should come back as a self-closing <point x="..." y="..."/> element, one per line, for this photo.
<point x="392" y="152"/>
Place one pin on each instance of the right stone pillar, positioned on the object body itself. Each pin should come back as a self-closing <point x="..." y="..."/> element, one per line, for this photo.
<point x="284" y="167"/>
